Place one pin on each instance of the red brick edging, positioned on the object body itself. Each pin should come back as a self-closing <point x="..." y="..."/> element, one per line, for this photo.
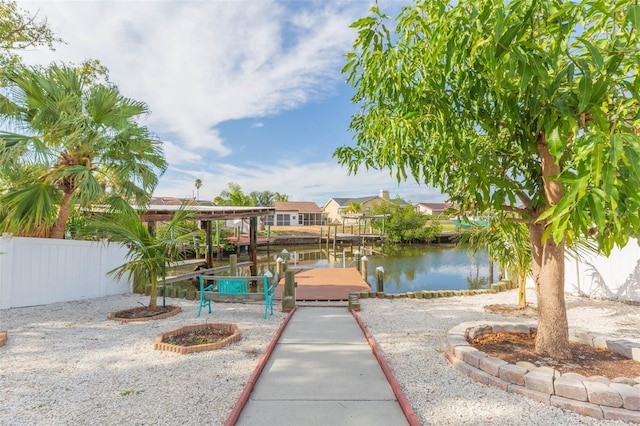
<point x="244" y="396"/>
<point x="159" y="345"/>
<point x="395" y="386"/>
<point x="175" y="310"/>
<point x="596" y="396"/>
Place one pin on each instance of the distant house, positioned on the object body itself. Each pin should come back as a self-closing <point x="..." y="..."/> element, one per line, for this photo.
<point x="296" y="213"/>
<point x="432" y="208"/>
<point x="335" y="208"/>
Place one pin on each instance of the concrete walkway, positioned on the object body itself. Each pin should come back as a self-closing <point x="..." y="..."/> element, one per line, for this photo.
<point x="322" y="372"/>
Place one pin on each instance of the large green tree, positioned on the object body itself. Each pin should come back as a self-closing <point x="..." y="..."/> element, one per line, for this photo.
<point x="403" y="224"/>
<point x="525" y="107"/>
<point x="21" y="30"/>
<point x="68" y="141"/>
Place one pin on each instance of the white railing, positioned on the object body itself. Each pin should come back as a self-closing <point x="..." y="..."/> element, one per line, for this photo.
<point x="39" y="271"/>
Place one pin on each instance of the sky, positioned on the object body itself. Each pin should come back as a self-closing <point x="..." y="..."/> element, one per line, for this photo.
<point x="242" y="91"/>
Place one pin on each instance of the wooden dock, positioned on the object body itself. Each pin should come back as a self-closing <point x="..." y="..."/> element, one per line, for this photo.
<point x="325" y="284"/>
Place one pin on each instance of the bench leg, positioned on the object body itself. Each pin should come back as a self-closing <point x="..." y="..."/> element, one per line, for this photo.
<point x="268" y="303"/>
<point x="202" y="303"/>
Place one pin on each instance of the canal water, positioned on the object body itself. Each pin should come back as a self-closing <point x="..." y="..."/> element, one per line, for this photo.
<point x="406" y="267"/>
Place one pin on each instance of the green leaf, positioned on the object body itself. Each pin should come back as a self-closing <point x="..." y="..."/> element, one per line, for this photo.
<point x="633" y="15"/>
<point x="615" y="149"/>
<point x="504" y="43"/>
<point x="596" y="164"/>
<point x="585" y="88"/>
<point x="554" y="140"/>
<point x="598" y="62"/>
<point x="597" y="214"/>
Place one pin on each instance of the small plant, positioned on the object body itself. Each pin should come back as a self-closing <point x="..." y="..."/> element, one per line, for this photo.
<point x="129" y="392"/>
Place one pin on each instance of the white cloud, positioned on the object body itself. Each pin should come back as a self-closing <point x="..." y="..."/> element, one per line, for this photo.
<point x="301" y="182"/>
<point x="201" y="63"/>
<point x="198" y="64"/>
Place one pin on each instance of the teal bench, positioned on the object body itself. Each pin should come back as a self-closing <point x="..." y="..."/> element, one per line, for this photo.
<point x="235" y="286"/>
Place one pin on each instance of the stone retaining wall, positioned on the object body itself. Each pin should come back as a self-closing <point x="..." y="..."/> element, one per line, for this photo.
<point x="595" y="396"/>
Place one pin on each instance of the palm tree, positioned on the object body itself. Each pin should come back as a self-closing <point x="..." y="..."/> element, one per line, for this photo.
<point x="262" y="198"/>
<point x="280" y="197"/>
<point x="233" y="196"/>
<point x="353" y="207"/>
<point x="79" y="145"/>
<point x="148" y="255"/>
<point x="198" y="186"/>
<point x="508" y="244"/>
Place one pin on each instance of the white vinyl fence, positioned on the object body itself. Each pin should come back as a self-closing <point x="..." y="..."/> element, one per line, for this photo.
<point x="616" y="277"/>
<point x="39" y="271"/>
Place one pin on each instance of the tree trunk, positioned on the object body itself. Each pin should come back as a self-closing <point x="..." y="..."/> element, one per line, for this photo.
<point x="490" y="269"/>
<point x="153" y="297"/>
<point x="548" y="268"/>
<point x="57" y="231"/>
<point x="548" y="273"/>
<point x="522" y="290"/>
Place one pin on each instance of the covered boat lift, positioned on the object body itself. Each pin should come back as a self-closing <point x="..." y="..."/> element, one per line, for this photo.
<point x="208" y="214"/>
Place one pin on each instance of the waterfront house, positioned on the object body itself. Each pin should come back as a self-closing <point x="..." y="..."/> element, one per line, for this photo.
<point x="433" y="209"/>
<point x="296" y="213"/>
<point x="336" y="209"/>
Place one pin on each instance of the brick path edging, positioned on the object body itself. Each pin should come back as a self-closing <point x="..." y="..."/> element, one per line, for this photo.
<point x="596" y="396"/>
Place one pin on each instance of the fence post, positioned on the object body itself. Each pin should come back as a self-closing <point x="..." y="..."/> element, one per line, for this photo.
<point x="289" y="292"/>
<point x="380" y="279"/>
<point x="279" y="266"/>
<point x="233" y="265"/>
<point x="363" y="269"/>
<point x="6" y="260"/>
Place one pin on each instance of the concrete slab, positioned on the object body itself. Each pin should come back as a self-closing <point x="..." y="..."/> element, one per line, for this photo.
<point x="323" y="372"/>
<point x="318" y="325"/>
<point x="322" y="413"/>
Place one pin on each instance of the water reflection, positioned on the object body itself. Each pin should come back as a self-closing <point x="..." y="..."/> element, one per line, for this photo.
<point x="407" y="268"/>
<point x="416" y="268"/>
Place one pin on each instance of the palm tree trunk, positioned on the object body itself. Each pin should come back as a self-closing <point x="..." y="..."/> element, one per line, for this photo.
<point x="153" y="296"/>
<point x="522" y="290"/>
<point x="57" y="231"/>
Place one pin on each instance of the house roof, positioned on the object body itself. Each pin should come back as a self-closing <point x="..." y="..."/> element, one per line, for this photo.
<point x="343" y="202"/>
<point x="297" y="206"/>
<point x="435" y="206"/>
<point x="360" y="200"/>
<point x="165" y="212"/>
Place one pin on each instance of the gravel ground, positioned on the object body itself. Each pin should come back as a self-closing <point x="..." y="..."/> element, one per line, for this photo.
<point x="66" y="363"/>
<point x="411" y="335"/>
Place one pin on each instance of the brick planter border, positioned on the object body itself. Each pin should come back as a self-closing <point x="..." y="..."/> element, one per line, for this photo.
<point x="175" y="310"/>
<point x="596" y="396"/>
<point x="229" y="328"/>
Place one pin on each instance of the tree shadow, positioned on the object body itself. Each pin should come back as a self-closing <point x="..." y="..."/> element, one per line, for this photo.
<point x="596" y="285"/>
